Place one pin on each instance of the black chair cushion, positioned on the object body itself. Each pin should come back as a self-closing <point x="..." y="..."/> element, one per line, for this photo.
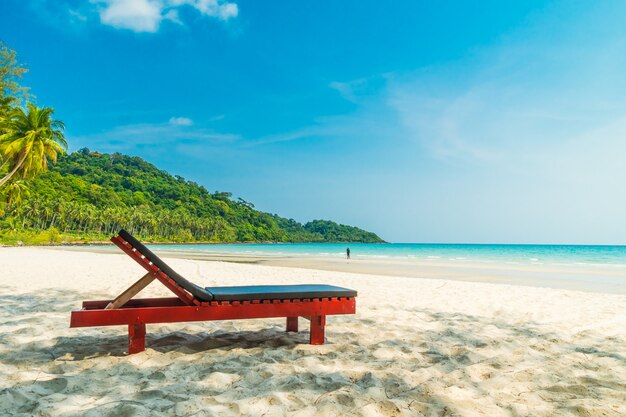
<point x="278" y="292"/>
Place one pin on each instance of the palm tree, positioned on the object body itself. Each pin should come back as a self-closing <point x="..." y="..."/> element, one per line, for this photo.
<point x="15" y="192"/>
<point x="5" y="104"/>
<point x="29" y="139"/>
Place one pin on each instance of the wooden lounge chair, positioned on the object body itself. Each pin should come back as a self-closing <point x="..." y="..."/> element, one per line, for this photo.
<point x="194" y="303"/>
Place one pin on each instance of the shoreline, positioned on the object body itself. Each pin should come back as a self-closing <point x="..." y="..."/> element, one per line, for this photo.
<point x="107" y="242"/>
<point x="578" y="277"/>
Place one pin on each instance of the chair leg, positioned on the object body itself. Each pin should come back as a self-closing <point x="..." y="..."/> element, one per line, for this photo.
<point x="136" y="338"/>
<point x="317" y="330"/>
<point x="292" y="324"/>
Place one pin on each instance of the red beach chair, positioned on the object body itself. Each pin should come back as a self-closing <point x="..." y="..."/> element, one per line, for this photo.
<point x="194" y="303"/>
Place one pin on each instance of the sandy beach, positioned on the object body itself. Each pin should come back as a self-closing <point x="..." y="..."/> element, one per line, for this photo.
<point x="417" y="346"/>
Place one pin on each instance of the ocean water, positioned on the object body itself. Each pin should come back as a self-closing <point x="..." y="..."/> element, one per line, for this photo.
<point x="531" y="254"/>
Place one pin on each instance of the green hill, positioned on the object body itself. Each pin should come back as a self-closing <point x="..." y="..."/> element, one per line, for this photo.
<point x="88" y="196"/>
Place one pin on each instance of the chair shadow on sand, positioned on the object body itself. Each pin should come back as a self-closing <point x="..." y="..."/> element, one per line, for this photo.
<point x="90" y="346"/>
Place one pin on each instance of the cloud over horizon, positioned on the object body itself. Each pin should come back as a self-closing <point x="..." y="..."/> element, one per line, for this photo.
<point x="181" y="121"/>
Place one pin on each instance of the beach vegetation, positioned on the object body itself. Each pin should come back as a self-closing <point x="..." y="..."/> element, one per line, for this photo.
<point x="88" y="196"/>
<point x="11" y="72"/>
<point x="29" y="139"/>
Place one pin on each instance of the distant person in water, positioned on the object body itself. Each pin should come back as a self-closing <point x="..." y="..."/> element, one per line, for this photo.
<point x="347" y="253"/>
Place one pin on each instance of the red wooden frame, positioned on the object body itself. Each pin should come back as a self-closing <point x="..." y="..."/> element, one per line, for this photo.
<point x="185" y="307"/>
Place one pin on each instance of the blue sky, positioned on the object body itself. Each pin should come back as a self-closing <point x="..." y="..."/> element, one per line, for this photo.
<point x="487" y="122"/>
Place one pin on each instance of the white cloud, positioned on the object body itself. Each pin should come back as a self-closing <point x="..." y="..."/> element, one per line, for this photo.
<point x="181" y="121"/>
<point x="214" y="8"/>
<point x="172" y="15"/>
<point x="136" y="15"/>
<point x="348" y="90"/>
<point x="76" y="15"/>
<point x="147" y="15"/>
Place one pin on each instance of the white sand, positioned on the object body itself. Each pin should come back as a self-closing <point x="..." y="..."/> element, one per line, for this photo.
<point x="415" y="347"/>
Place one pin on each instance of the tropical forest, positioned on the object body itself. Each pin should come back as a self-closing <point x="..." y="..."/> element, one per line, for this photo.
<point x="51" y="196"/>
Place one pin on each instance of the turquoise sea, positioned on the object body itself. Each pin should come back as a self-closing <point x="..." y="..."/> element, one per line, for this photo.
<point x="532" y="254"/>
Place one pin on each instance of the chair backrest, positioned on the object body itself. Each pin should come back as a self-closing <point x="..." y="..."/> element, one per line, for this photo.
<point x="198" y="292"/>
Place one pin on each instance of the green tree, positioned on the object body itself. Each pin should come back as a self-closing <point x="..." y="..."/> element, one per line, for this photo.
<point x="15" y="192"/>
<point x="10" y="73"/>
<point x="29" y="140"/>
<point x="10" y="90"/>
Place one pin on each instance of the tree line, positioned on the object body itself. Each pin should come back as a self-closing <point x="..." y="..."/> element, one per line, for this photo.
<point x="89" y="196"/>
